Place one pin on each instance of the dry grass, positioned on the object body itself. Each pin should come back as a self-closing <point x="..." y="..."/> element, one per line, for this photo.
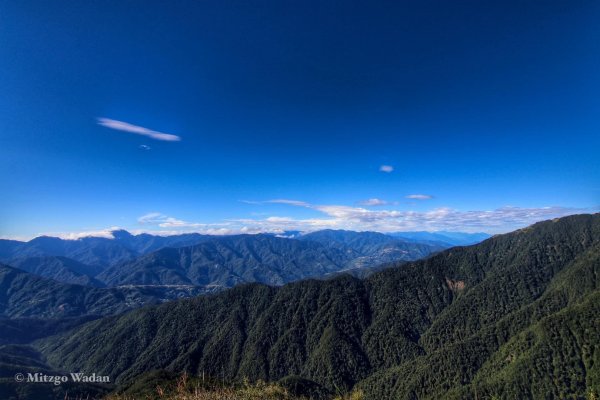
<point x="184" y="389"/>
<point x="258" y="392"/>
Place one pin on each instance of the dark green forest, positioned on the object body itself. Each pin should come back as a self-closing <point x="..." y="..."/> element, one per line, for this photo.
<point x="517" y="316"/>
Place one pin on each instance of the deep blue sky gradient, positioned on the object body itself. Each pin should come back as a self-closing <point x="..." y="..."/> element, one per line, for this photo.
<point x="481" y="104"/>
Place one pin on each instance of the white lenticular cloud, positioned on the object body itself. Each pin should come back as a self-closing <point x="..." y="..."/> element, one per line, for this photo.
<point x="138" y="130"/>
<point x="386" y="168"/>
<point x="419" y="197"/>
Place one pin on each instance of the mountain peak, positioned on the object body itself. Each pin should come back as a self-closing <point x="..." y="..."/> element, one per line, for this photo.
<point x="121" y="234"/>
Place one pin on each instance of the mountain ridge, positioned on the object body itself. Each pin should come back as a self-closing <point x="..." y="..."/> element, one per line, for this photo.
<point x="210" y="260"/>
<point x="231" y="260"/>
<point x="421" y="331"/>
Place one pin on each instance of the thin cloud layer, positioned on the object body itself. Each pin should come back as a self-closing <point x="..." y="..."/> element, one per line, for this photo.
<point x="101" y="233"/>
<point x="164" y="221"/>
<point x="499" y="220"/>
<point x="138" y="130"/>
<point x="386" y="168"/>
<point x="289" y="202"/>
<point x="373" y="202"/>
<point x="419" y="197"/>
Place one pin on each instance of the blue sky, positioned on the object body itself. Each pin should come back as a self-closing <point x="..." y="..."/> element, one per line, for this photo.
<point x="282" y="114"/>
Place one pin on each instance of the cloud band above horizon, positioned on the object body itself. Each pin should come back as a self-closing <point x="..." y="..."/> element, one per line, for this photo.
<point x="500" y="220"/>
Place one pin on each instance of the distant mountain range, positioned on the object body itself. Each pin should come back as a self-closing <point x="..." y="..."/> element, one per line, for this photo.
<point x="203" y="260"/>
<point x="96" y="252"/>
<point x="447" y="239"/>
<point x="513" y="317"/>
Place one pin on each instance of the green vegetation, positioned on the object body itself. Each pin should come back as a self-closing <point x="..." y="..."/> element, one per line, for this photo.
<point x="516" y="316"/>
<point x="516" y="311"/>
<point x="232" y="260"/>
<point x="60" y="269"/>
<point x="24" y="296"/>
<point x="203" y="260"/>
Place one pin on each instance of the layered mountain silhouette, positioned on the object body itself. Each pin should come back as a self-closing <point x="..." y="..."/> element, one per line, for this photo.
<point x="514" y="317"/>
<point x="231" y="260"/>
<point x="96" y="252"/>
<point x="213" y="261"/>
<point x="371" y="248"/>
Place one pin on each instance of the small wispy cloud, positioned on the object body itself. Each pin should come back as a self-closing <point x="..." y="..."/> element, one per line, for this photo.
<point x="386" y="168"/>
<point x="253" y="202"/>
<point x="138" y="130"/>
<point x="164" y="221"/>
<point x="419" y="197"/>
<point x="150" y="218"/>
<point x="373" y="202"/>
<point x="297" y="203"/>
<point x="145" y="147"/>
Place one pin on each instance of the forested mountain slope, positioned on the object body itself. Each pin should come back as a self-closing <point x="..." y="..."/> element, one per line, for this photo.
<point x="515" y="316"/>
<point x="60" y="269"/>
<point x="194" y="259"/>
<point x="231" y="260"/>
<point x="372" y="248"/>
<point x="26" y="295"/>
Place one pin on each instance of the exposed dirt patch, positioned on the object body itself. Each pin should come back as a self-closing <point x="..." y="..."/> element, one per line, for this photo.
<point x="455" y="286"/>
